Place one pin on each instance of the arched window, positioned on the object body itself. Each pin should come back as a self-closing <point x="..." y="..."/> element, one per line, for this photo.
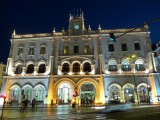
<point x="31" y="51"/>
<point x="42" y="68"/>
<point x="87" y="67"/>
<point x="76" y="67"/>
<point x="30" y="68"/>
<point x="18" y="69"/>
<point x="20" y="51"/>
<point x="112" y="65"/>
<point x="65" y="68"/>
<point x="126" y="65"/>
<point x="43" y="50"/>
<point x="86" y="49"/>
<point x="139" y="64"/>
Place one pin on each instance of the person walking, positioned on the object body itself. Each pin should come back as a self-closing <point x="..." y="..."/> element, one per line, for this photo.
<point x="22" y="106"/>
<point x="33" y="103"/>
<point x="51" y="103"/>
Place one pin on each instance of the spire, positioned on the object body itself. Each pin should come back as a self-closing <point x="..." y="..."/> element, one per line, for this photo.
<point x="82" y="14"/>
<point x="63" y="30"/>
<point x="89" y="27"/>
<point x="54" y="30"/>
<point x="99" y="27"/>
<point x="14" y="33"/>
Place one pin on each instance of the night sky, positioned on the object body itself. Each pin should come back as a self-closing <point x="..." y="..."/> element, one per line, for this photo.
<point x="41" y="16"/>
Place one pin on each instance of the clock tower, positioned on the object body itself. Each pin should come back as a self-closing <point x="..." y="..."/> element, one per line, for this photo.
<point x="76" y="24"/>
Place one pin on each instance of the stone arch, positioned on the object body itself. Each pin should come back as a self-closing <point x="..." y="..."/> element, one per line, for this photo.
<point x="95" y="84"/>
<point x="111" y="59"/>
<point x="86" y="61"/>
<point x="114" y="84"/>
<point x="27" y="92"/>
<point x="65" y="62"/>
<point x="27" y="85"/>
<point x="143" y="84"/>
<point x="18" y="63"/>
<point x="41" y="62"/>
<point x="14" y="93"/>
<point x="13" y="86"/>
<point x="76" y="61"/>
<point x="114" y="92"/>
<point x="29" y="62"/>
<point x="58" y="83"/>
<point x="39" y="92"/>
<point x="66" y="80"/>
<point x="41" y="84"/>
<point x="129" y="85"/>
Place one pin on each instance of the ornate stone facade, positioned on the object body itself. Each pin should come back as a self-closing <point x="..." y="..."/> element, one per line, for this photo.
<point x="83" y="62"/>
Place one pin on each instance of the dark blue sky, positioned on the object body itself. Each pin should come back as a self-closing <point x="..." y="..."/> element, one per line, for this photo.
<point x="40" y="16"/>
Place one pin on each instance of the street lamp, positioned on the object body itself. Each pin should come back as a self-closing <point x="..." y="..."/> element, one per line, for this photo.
<point x="135" y="86"/>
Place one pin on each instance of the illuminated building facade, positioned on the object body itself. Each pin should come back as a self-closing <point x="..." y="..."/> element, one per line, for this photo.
<point x="57" y="65"/>
<point x="2" y="72"/>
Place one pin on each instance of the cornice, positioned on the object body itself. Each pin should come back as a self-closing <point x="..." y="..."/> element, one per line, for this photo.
<point x="26" y="77"/>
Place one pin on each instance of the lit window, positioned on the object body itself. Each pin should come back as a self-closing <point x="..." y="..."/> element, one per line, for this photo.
<point x="126" y="65"/>
<point x="86" y="49"/>
<point x="65" y="49"/>
<point x="112" y="65"/>
<point x="139" y="65"/>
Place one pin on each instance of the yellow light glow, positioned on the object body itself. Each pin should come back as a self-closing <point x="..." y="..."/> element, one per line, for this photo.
<point x="70" y="73"/>
<point x="133" y="56"/>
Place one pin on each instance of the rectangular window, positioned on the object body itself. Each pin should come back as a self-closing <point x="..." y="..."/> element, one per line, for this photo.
<point x="124" y="47"/>
<point x="65" y="49"/>
<point x="43" y="50"/>
<point x="112" y="68"/>
<point x="137" y="46"/>
<point x="20" y="51"/>
<point x="86" y="49"/>
<point x="126" y="67"/>
<point x="111" y="48"/>
<point x="140" y="67"/>
<point x="76" y="49"/>
<point x="31" y="51"/>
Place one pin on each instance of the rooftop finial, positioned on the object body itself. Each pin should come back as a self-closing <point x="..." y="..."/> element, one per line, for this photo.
<point x="14" y="32"/>
<point x="89" y="27"/>
<point x="99" y="27"/>
<point x="54" y="30"/>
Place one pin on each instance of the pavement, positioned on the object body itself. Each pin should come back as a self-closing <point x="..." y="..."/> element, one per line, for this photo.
<point x="12" y="112"/>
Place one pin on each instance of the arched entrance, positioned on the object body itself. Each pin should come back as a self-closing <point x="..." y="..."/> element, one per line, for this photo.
<point x="114" y="93"/>
<point x="87" y="93"/>
<point x="65" y="92"/>
<point x="129" y="93"/>
<point x="143" y="94"/>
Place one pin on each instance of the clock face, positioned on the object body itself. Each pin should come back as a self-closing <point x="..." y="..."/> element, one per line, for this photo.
<point x="76" y="26"/>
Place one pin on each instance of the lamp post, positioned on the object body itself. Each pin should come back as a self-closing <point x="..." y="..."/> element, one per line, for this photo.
<point x="132" y="58"/>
